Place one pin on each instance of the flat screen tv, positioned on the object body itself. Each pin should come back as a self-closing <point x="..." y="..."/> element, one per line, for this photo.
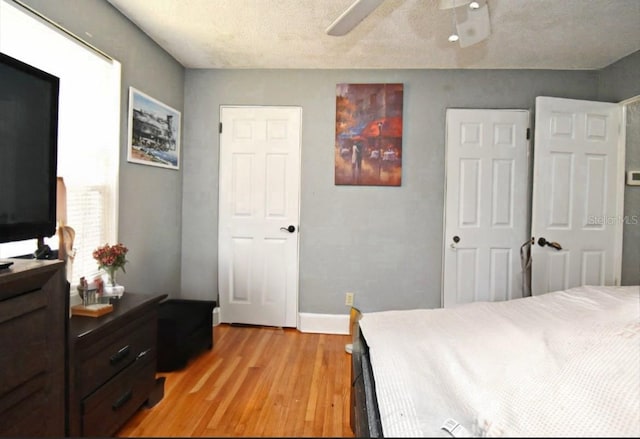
<point x="28" y="151"/>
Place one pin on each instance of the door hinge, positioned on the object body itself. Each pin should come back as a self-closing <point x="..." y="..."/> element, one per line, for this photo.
<point x="220" y="128"/>
<point x="528" y="133"/>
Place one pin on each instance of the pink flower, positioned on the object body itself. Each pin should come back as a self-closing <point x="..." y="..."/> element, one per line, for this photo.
<point x="111" y="256"/>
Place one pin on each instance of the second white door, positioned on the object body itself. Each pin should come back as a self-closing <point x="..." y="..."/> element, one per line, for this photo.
<point x="486" y="207"/>
<point x="259" y="193"/>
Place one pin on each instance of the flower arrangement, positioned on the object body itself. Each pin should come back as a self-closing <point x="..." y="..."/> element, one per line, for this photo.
<point x="111" y="258"/>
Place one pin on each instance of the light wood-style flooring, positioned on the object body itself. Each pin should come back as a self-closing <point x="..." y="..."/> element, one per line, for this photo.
<point x="255" y="382"/>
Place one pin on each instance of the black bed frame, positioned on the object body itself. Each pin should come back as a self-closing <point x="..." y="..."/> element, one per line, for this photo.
<point x="365" y="414"/>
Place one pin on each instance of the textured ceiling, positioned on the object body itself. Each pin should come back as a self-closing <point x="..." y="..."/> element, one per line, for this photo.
<point x="526" y="34"/>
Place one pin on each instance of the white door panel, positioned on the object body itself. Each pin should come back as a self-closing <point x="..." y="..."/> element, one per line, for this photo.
<point x="259" y="199"/>
<point x="575" y="193"/>
<point x="486" y="207"/>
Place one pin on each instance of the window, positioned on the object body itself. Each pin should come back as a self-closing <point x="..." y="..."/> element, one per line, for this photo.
<point x="88" y="131"/>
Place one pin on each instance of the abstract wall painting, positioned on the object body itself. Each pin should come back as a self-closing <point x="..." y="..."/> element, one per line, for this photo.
<point x="368" y="136"/>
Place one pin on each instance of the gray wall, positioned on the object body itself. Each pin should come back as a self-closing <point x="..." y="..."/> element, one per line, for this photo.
<point x="149" y="219"/>
<point x="383" y="243"/>
<point x="618" y="82"/>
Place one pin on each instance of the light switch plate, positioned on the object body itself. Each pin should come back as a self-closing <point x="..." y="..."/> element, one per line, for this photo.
<point x="633" y="178"/>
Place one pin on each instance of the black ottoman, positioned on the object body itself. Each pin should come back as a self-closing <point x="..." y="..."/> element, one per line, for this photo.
<point x="185" y="328"/>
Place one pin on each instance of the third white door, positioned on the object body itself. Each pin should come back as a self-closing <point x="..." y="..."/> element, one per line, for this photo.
<point x="577" y="194"/>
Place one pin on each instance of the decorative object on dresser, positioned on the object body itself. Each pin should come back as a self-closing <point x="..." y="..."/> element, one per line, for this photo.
<point x="34" y="312"/>
<point x="111" y="258"/>
<point x="185" y="328"/>
<point x="112" y="365"/>
<point x="93" y="310"/>
<point x="66" y="234"/>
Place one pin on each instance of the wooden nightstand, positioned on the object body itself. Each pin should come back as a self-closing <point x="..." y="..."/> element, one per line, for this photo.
<point x="112" y="365"/>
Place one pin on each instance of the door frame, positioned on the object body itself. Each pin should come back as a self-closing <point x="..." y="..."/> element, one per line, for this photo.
<point x="621" y="189"/>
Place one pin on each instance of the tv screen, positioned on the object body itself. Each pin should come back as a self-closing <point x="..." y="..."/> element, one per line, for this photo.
<point x="28" y="151"/>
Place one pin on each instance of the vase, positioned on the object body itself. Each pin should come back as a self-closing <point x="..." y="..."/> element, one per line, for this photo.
<point x="111" y="286"/>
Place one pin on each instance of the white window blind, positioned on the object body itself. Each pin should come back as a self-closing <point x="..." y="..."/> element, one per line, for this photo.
<point x="87" y="211"/>
<point x="88" y="130"/>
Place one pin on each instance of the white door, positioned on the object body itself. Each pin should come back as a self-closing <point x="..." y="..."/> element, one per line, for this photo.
<point x="577" y="194"/>
<point x="486" y="204"/>
<point x="258" y="204"/>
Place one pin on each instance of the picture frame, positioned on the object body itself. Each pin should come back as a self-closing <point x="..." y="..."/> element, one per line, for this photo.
<point x="368" y="134"/>
<point x="154" y="132"/>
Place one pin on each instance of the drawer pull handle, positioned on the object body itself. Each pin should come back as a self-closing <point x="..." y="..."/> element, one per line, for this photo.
<point x="143" y="353"/>
<point x="122" y="400"/>
<point x="120" y="355"/>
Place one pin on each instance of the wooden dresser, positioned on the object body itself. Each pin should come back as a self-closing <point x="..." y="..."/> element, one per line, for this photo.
<point x="112" y="365"/>
<point x="34" y="312"/>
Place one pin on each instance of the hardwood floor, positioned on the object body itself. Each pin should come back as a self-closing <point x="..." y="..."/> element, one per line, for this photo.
<point x="255" y="382"/>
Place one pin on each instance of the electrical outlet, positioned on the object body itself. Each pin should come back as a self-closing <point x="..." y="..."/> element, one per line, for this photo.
<point x="348" y="299"/>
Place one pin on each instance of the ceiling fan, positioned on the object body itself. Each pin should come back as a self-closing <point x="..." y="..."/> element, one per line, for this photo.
<point x="471" y="23"/>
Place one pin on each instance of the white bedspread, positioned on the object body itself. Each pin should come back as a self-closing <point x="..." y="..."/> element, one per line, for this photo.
<point x="560" y="364"/>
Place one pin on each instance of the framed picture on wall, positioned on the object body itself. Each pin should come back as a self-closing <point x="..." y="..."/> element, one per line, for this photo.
<point x="154" y="132"/>
<point x="368" y="136"/>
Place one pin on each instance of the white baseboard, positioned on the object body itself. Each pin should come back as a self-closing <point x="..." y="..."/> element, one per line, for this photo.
<point x="323" y="323"/>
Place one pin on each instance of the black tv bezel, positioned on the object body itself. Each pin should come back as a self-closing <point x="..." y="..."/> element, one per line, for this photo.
<point x="47" y="228"/>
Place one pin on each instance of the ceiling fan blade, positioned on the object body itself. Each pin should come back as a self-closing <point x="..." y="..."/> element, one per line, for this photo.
<point x="448" y="4"/>
<point x="350" y="18"/>
<point x="474" y="27"/>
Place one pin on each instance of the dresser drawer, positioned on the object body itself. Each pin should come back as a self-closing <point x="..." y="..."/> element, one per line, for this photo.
<point x="113" y="352"/>
<point x="23" y="331"/>
<point x="109" y="407"/>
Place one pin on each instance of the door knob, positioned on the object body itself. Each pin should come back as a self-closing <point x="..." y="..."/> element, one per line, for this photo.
<point x="543" y="242"/>
<point x="289" y="229"/>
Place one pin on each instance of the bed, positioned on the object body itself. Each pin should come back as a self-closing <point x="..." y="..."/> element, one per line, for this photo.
<point x="565" y="363"/>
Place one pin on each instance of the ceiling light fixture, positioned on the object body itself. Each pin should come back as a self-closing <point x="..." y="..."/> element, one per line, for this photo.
<point x="474" y="5"/>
